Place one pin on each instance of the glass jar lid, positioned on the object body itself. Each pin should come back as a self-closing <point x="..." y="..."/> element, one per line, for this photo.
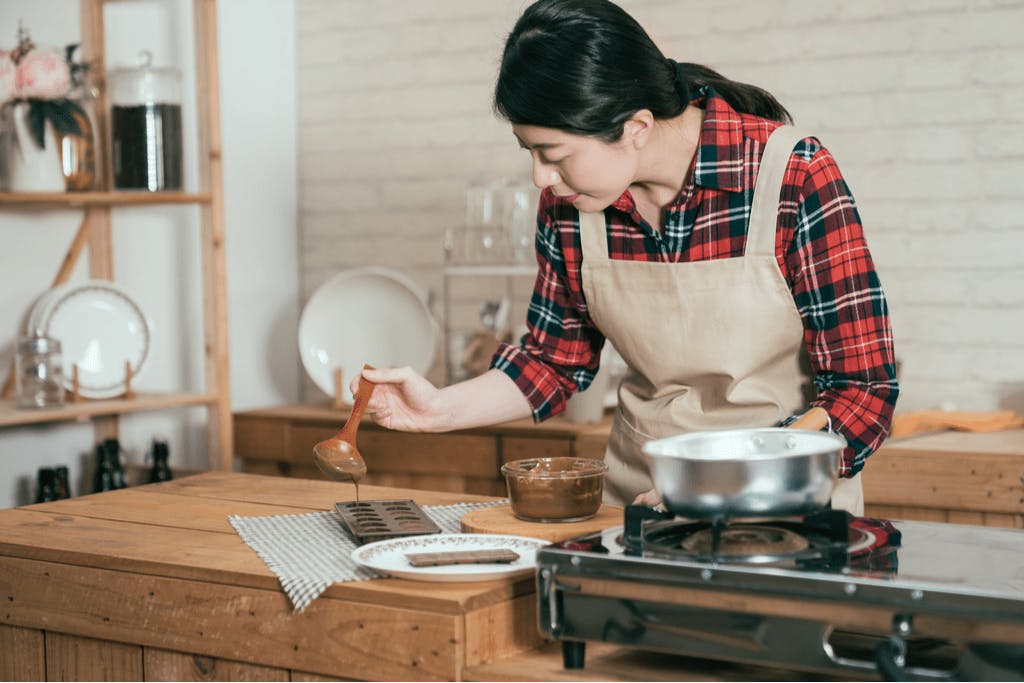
<point x="144" y="83"/>
<point x="38" y="344"/>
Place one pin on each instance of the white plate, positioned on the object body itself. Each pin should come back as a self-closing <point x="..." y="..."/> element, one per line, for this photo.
<point x="99" y="327"/>
<point x="365" y="315"/>
<point x="388" y="557"/>
<point x="35" y="317"/>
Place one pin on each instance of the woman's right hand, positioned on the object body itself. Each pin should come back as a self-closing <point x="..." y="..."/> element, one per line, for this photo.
<point x="402" y="399"/>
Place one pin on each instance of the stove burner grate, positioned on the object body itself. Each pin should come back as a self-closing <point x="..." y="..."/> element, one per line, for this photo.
<point x="818" y="541"/>
<point x="739" y="540"/>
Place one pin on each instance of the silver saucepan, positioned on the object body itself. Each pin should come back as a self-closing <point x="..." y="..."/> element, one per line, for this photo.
<point x="768" y="472"/>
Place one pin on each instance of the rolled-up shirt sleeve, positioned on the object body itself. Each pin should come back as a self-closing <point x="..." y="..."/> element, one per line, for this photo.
<point x="847" y="331"/>
<point x="560" y="352"/>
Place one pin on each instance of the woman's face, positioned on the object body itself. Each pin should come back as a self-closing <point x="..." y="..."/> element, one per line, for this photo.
<point x="593" y="173"/>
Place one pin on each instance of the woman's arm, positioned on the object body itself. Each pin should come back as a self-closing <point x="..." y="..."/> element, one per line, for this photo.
<point x="405" y="400"/>
<point x="558" y="356"/>
<point x="847" y="331"/>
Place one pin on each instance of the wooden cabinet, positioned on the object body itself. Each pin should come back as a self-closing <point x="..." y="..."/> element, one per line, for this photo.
<point x="958" y="477"/>
<point x="153" y="583"/>
<point x="95" y="235"/>
<point x="280" y="441"/>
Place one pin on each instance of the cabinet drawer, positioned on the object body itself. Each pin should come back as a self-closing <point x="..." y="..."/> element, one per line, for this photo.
<point x="461" y="455"/>
<point x="262" y="438"/>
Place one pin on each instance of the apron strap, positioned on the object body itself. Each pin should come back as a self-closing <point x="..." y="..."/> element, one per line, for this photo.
<point x="593" y="236"/>
<point x="764" y="209"/>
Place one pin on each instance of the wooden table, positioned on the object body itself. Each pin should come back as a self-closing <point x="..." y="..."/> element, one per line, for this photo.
<point x="152" y="583"/>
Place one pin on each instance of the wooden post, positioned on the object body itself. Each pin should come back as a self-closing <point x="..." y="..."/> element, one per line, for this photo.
<point x="220" y="448"/>
<point x="75" y="396"/>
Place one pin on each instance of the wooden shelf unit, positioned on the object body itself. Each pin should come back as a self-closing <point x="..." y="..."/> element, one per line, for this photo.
<point x="95" y="233"/>
<point x="86" y="410"/>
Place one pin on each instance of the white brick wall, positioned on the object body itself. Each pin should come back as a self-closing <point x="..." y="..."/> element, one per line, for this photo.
<point x="921" y="101"/>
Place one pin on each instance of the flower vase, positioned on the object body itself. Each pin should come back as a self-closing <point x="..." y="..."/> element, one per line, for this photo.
<point x="29" y="168"/>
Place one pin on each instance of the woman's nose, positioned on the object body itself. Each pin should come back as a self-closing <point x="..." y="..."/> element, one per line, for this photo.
<point x="544" y="175"/>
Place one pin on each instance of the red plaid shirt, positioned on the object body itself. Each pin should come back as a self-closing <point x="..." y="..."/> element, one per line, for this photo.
<point x="820" y="248"/>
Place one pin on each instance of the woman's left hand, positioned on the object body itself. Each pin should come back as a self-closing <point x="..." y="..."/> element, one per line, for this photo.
<point x="648" y="498"/>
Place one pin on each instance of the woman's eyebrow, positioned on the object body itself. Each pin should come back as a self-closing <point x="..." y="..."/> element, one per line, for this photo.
<point x="540" y="146"/>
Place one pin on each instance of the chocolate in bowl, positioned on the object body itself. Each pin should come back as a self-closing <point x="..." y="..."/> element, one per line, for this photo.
<point x="555" y="489"/>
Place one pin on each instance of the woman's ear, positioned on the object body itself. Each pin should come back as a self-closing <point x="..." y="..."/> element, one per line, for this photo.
<point x="637" y="128"/>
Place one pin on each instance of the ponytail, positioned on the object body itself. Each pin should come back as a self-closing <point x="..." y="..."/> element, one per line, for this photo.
<point x="743" y="97"/>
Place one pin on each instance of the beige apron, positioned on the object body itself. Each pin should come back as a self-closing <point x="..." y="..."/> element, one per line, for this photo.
<point x="710" y="344"/>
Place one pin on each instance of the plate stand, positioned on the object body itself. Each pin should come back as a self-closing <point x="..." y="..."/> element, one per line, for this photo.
<point x="128" y="394"/>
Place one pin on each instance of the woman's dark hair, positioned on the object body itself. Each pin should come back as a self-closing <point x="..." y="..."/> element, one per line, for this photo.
<point x="586" y="66"/>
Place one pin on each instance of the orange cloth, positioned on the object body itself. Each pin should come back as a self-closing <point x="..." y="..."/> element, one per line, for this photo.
<point x="940" y="420"/>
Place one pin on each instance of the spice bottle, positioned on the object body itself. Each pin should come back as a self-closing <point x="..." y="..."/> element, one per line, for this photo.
<point x="62" y="483"/>
<point x="160" y="470"/>
<point x="46" y="485"/>
<point x="109" y="472"/>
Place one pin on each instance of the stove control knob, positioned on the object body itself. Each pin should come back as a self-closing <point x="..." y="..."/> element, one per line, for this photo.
<point x="705" y="574"/>
<point x="850" y="588"/>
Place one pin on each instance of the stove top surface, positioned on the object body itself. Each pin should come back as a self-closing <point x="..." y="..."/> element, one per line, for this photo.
<point x="922" y="561"/>
<point x="834" y="593"/>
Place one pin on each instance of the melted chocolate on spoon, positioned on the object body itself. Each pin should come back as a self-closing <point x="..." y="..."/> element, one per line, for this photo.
<point x="338" y="457"/>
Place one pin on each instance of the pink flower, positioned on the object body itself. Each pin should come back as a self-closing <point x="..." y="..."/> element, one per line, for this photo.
<point x="7" y="77"/>
<point x="42" y="75"/>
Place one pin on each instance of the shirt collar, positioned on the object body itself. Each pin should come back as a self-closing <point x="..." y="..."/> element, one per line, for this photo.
<point x="719" y="158"/>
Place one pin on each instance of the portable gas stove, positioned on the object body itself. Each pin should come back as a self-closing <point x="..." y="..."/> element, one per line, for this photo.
<point x="827" y="593"/>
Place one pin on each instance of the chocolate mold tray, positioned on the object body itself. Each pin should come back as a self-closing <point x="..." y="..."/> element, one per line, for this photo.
<point x="376" y="520"/>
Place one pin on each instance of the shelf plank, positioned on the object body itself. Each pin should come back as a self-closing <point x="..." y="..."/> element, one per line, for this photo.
<point x="13" y="417"/>
<point x="81" y="199"/>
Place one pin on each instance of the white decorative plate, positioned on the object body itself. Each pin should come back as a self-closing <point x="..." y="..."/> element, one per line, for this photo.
<point x="40" y="305"/>
<point x="99" y="327"/>
<point x="388" y="557"/>
<point x="365" y="315"/>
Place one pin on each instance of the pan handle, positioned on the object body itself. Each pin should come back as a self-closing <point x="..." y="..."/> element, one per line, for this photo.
<point x="813" y="420"/>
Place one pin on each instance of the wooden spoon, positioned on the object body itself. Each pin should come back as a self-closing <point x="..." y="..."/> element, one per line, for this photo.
<point x="338" y="457"/>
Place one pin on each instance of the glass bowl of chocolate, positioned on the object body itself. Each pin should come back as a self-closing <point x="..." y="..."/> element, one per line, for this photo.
<point x="555" y="489"/>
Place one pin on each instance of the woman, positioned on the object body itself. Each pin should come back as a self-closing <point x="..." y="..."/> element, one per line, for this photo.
<point x="719" y="250"/>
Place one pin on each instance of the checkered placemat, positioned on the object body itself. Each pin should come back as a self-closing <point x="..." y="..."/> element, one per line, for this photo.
<point x="309" y="552"/>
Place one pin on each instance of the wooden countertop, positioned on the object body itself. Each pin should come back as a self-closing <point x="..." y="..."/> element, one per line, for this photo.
<point x="950" y="476"/>
<point x="1008" y="442"/>
<point x="158" y="569"/>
